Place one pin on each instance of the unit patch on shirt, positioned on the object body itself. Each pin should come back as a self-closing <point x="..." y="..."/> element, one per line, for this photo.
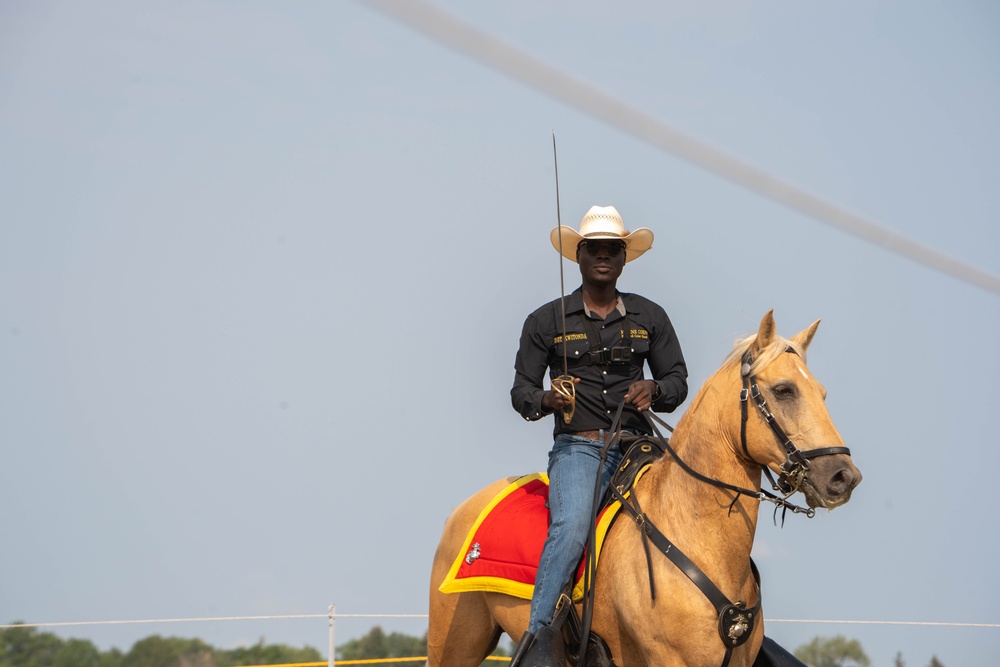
<point x="559" y="339"/>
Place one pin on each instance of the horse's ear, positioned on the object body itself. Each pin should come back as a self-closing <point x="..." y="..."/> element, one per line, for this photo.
<point x="765" y="335"/>
<point x="803" y="338"/>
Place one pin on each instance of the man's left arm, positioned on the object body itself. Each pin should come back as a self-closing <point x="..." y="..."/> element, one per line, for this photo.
<point x="666" y="363"/>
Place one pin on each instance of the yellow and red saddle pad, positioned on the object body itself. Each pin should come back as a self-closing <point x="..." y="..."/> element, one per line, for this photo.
<point x="502" y="549"/>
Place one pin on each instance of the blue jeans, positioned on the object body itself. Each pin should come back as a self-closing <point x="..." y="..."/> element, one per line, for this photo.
<point x="573" y="464"/>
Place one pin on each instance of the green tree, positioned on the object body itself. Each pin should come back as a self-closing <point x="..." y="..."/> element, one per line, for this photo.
<point x="898" y="662"/>
<point x="153" y="651"/>
<point x="261" y="654"/>
<point x="833" y="652"/>
<point x="377" y="644"/>
<point x="157" y="651"/>
<point x="27" y="647"/>
<point x="934" y="662"/>
<point x="83" y="653"/>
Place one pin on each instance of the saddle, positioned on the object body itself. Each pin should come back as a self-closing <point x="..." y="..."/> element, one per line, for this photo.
<point x="502" y="549"/>
<point x="639" y="452"/>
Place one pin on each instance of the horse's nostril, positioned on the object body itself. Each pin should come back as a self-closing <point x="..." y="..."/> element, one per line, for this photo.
<point x="841" y="482"/>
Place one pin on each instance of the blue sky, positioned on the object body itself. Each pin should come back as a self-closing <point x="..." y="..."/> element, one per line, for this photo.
<point x="264" y="266"/>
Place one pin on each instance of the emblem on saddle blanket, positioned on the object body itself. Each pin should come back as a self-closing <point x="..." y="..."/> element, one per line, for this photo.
<point x="502" y="549"/>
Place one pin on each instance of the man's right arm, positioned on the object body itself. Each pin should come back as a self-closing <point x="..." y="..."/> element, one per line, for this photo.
<point x="530" y="366"/>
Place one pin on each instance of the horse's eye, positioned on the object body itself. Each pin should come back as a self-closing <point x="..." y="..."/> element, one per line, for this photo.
<point x="784" y="391"/>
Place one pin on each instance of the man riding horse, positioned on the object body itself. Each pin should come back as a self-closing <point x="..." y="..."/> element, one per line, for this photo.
<point x="594" y="346"/>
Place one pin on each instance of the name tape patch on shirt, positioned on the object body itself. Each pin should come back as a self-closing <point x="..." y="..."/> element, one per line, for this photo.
<point x="559" y="339"/>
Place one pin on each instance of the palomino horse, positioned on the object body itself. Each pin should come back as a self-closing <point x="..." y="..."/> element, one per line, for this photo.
<point x="713" y="525"/>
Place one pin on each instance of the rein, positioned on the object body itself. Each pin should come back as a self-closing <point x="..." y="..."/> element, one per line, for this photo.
<point x="781" y="503"/>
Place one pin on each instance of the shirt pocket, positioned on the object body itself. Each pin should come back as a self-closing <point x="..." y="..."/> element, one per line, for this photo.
<point x="639" y="344"/>
<point x="576" y="349"/>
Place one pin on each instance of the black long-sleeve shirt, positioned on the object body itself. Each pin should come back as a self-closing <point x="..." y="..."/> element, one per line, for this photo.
<point x="602" y="386"/>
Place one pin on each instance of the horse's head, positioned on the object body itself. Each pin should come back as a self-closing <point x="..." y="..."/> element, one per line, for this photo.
<point x="792" y="433"/>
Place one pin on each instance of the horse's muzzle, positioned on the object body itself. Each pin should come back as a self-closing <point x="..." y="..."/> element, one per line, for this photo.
<point x="830" y="481"/>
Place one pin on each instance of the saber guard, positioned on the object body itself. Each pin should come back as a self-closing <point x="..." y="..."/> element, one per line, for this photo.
<point x="565" y="386"/>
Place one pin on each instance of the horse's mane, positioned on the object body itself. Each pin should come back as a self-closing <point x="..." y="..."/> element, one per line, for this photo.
<point x="764" y="357"/>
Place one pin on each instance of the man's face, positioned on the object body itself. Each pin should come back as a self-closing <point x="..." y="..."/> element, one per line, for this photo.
<point x="601" y="261"/>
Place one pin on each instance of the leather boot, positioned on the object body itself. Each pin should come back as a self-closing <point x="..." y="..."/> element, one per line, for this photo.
<point x="522" y="648"/>
<point x="773" y="655"/>
<point x="548" y="649"/>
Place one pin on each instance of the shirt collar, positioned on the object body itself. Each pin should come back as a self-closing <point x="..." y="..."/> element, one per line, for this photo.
<point x="620" y="307"/>
<point x="574" y="303"/>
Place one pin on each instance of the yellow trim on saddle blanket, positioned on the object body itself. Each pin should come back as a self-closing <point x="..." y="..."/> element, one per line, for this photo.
<point x="496" y="584"/>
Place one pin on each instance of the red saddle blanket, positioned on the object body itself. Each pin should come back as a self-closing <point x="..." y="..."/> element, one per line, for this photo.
<point x="502" y="549"/>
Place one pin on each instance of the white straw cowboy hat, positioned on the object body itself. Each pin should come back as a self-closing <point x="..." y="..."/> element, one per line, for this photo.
<point x="602" y="222"/>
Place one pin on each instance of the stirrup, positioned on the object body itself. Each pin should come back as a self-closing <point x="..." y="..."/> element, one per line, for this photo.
<point x="598" y="652"/>
<point x="773" y="655"/>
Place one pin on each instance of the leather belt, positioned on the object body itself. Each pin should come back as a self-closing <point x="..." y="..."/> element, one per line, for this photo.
<point x="593" y="435"/>
<point x="596" y="435"/>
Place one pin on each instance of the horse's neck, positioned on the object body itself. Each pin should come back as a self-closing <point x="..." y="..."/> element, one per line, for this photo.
<point x="699" y="518"/>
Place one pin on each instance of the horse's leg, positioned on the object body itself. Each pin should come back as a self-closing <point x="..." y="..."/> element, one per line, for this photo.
<point x="511" y="614"/>
<point x="461" y="632"/>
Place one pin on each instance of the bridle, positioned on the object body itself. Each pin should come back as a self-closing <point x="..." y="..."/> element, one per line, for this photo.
<point x="796" y="465"/>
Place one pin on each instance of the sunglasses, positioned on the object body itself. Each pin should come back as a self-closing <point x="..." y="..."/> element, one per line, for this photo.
<point x="597" y="248"/>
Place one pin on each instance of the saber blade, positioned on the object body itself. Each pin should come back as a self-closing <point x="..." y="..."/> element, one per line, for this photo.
<point x="563" y="384"/>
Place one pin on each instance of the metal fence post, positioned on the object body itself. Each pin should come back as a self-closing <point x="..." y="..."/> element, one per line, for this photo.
<point x="332" y="613"/>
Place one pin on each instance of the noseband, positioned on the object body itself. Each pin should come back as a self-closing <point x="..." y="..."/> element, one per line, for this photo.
<point x="796" y="465"/>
